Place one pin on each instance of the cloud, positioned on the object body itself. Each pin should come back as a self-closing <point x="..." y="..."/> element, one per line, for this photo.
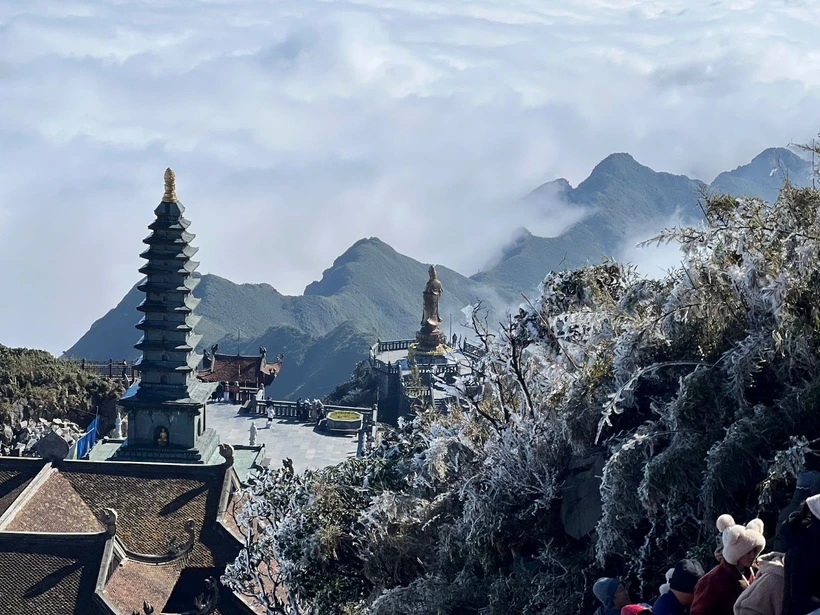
<point x="297" y="127"/>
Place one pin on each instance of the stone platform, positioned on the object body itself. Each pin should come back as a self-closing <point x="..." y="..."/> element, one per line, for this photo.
<point x="302" y="442"/>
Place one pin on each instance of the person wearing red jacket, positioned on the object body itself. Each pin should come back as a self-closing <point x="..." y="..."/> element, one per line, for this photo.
<point x="718" y="590"/>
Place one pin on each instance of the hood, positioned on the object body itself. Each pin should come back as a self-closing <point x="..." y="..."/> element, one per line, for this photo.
<point x="605" y="589"/>
<point x="771" y="563"/>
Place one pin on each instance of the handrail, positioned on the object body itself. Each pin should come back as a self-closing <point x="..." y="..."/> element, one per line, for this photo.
<point x="287" y="409"/>
<point x="394" y="345"/>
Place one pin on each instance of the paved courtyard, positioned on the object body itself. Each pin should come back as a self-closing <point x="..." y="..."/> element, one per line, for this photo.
<point x="301" y="442"/>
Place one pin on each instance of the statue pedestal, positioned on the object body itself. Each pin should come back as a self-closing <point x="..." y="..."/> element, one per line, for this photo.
<point x="430" y="340"/>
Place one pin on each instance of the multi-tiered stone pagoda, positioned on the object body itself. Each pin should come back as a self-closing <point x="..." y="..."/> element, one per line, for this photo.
<point x="166" y="406"/>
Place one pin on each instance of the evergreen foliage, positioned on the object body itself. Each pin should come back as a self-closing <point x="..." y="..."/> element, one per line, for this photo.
<point x="34" y="384"/>
<point x="358" y="391"/>
<point x="701" y="389"/>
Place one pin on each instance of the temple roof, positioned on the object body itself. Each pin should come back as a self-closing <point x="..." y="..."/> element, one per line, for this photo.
<point x="53" y="567"/>
<point x="241" y="368"/>
<point x="49" y="574"/>
<point x="15" y="475"/>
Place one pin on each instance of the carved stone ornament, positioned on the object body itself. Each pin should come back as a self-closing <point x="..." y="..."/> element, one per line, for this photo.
<point x="109" y="518"/>
<point x="226" y="450"/>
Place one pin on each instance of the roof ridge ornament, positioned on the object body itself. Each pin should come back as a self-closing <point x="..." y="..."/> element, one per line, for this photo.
<point x="170" y="195"/>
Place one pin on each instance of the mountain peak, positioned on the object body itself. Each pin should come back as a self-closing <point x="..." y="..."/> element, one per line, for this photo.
<point x="555" y="188"/>
<point x="614" y="163"/>
<point x="368" y="253"/>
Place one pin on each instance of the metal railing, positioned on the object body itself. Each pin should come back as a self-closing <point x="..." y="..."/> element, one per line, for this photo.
<point x="108" y="369"/>
<point x="394" y="345"/>
<point x="283" y="409"/>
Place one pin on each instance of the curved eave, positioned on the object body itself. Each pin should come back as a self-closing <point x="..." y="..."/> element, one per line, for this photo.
<point x="163" y="367"/>
<point x="142" y="325"/>
<point x="151" y="268"/>
<point x="159" y="345"/>
<point x="170" y="223"/>
<point x="158" y="287"/>
<point x="178" y="237"/>
<point x="174" y="252"/>
<point x="158" y="307"/>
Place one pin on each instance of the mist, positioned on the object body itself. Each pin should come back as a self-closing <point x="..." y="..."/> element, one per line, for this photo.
<point x="298" y="127"/>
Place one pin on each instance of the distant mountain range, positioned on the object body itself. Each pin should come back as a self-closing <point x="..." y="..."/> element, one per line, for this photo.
<point x="371" y="291"/>
<point x="625" y="198"/>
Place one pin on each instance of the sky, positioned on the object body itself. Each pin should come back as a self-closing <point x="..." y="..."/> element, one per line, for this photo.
<point x="297" y="127"/>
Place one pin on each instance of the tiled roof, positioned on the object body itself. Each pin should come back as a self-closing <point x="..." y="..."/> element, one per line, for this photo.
<point x="15" y="475"/>
<point x="153" y="502"/>
<point x="49" y="575"/>
<point x="134" y="582"/>
<point x="54" y="507"/>
<point x="233" y="368"/>
<point x="152" y="506"/>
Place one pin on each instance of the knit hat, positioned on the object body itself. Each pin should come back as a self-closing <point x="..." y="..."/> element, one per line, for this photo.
<point x="814" y="505"/>
<point x="686" y="575"/>
<point x="605" y="589"/>
<point x="809" y="481"/>
<point x="635" y="609"/>
<point x="739" y="540"/>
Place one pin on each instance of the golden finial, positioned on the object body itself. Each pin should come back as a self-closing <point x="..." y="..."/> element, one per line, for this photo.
<point x="170" y="195"/>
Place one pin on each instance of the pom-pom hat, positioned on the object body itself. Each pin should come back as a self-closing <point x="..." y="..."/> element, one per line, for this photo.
<point x="739" y="540"/>
<point x="814" y="505"/>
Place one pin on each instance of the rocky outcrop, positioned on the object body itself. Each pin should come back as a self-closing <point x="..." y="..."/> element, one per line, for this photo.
<point x="22" y="441"/>
<point x="40" y="394"/>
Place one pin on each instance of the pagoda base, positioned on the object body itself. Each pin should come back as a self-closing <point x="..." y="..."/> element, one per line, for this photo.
<point x="203" y="453"/>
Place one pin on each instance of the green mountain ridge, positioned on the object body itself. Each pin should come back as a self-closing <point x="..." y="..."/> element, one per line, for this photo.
<point x="371" y="291"/>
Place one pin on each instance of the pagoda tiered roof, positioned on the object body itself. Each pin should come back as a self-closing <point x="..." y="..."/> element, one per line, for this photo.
<point x="179" y="252"/>
<point x="166" y="307"/>
<point x="153" y="268"/>
<point x="154" y="286"/>
<point x="188" y="325"/>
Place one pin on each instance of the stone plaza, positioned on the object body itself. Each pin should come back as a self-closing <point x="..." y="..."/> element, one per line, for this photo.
<point x="303" y="443"/>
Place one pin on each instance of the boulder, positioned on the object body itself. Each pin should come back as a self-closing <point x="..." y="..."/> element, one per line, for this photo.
<point x="581" y="498"/>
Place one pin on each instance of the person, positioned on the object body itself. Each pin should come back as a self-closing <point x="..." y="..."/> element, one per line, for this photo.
<point x="612" y="595"/>
<point x="269" y="412"/>
<point x="808" y="484"/>
<point x="252" y="439"/>
<point x="299" y="408"/>
<point x="718" y="590"/>
<point x="677" y="594"/>
<point x="801" y="572"/>
<point x="765" y="595"/>
<point x="636" y="609"/>
<point x="219" y="394"/>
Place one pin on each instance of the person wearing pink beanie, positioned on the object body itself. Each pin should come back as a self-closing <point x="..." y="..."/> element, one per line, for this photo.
<point x="718" y="589"/>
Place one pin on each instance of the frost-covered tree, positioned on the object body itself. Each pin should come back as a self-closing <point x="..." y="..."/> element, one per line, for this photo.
<point x="700" y="389"/>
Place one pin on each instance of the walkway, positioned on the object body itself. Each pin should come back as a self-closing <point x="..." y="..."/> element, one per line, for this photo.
<point x="307" y="447"/>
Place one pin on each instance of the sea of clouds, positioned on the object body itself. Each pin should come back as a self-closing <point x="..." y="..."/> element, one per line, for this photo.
<point x="297" y="127"/>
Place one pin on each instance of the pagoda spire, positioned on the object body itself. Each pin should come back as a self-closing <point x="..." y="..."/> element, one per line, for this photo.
<point x="170" y="195"/>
